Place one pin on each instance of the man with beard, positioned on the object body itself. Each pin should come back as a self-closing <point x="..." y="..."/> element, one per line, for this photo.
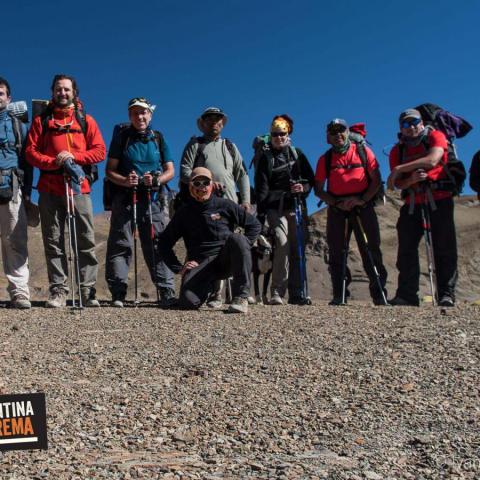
<point x="283" y="173"/>
<point x="214" y="252"/>
<point x="65" y="137"/>
<point x="417" y="162"/>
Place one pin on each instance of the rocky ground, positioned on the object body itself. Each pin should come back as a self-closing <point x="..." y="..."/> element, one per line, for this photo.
<point x="351" y="392"/>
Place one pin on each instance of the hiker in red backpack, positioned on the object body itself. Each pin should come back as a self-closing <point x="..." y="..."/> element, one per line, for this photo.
<point x="66" y="138"/>
<point x="351" y="172"/>
<point x="417" y="164"/>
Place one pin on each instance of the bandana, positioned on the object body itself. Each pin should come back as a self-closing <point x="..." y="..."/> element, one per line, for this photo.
<point x="279" y="124"/>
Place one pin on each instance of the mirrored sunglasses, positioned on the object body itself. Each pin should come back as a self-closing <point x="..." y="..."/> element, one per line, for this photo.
<point x="413" y="122"/>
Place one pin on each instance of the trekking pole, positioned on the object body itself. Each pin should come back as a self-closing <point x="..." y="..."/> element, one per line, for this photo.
<point x="370" y="257"/>
<point x="152" y="240"/>
<point x="301" y="249"/>
<point x="344" y="261"/>
<point x="134" y="232"/>
<point x="427" y="234"/>
<point x="73" y="246"/>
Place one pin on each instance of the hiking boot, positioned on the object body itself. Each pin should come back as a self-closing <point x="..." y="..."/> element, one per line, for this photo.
<point x="238" y="305"/>
<point x="380" y="303"/>
<point x="401" y="302"/>
<point x="20" y="302"/>
<point x="57" y="299"/>
<point x="215" y="301"/>
<point x="300" y="301"/>
<point x="276" y="299"/>
<point x="337" y="301"/>
<point x="446" y="301"/>
<point x="167" y="297"/>
<point x="88" y="298"/>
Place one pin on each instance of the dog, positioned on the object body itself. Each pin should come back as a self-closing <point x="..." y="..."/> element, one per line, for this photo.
<point x="262" y="256"/>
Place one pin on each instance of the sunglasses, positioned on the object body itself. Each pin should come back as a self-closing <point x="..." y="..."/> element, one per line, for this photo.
<point x="201" y="183"/>
<point x="279" y="134"/>
<point x="335" y="130"/>
<point x="410" y="123"/>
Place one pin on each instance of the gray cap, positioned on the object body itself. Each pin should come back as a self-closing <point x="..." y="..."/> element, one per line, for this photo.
<point x="337" y="121"/>
<point x="214" y="111"/>
<point x="409" y="113"/>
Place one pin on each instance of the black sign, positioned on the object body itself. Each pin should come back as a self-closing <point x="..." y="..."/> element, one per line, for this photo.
<point x="23" y="422"/>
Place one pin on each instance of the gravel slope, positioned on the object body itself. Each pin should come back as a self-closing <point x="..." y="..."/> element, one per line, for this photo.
<point x="283" y="392"/>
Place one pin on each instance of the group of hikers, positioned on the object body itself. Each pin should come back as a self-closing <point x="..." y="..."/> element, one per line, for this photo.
<point x="220" y="218"/>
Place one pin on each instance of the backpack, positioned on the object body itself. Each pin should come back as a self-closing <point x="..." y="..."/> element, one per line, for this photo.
<point x="11" y="176"/>
<point x="475" y="173"/>
<point x="357" y="136"/>
<point x="261" y="146"/>
<point x="452" y="126"/>
<point x="110" y="189"/>
<point x="46" y="114"/>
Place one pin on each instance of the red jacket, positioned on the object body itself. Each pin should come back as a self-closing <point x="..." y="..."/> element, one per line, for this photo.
<point x="43" y="147"/>
<point x="435" y="139"/>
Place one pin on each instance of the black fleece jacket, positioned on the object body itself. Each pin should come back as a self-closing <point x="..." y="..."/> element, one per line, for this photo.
<point x="272" y="182"/>
<point x="204" y="228"/>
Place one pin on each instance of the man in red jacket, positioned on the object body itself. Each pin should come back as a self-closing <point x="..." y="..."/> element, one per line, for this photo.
<point x="417" y="166"/>
<point x="65" y="136"/>
<point x="351" y="187"/>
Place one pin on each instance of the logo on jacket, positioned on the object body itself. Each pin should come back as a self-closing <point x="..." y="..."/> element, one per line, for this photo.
<point x="215" y="216"/>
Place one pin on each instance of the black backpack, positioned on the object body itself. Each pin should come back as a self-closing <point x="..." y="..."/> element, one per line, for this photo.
<point x="475" y="173"/>
<point x="452" y="126"/>
<point x="91" y="171"/>
<point x="357" y="136"/>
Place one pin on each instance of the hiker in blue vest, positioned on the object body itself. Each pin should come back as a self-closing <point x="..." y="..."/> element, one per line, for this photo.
<point x="15" y="189"/>
<point x="139" y="165"/>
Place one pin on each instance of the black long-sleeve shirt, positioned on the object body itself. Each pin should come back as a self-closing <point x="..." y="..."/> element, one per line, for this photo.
<point x="272" y="178"/>
<point x="204" y="228"/>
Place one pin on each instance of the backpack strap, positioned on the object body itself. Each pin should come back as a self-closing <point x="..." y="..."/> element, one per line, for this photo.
<point x="18" y="133"/>
<point x="159" y="141"/>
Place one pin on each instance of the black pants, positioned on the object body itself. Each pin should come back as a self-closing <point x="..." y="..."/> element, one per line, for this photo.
<point x="444" y="239"/>
<point x="120" y="243"/>
<point x="336" y="238"/>
<point x="234" y="260"/>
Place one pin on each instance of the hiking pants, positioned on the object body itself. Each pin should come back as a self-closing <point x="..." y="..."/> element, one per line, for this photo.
<point x="234" y="260"/>
<point x="335" y="239"/>
<point x="53" y="215"/>
<point x="444" y="239"/>
<point x="286" y="260"/>
<point x="120" y="242"/>
<point x="13" y="232"/>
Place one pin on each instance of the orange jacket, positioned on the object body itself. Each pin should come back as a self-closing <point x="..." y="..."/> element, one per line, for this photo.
<point x="43" y="147"/>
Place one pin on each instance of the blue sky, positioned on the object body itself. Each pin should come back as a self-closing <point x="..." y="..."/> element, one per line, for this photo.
<point x="363" y="61"/>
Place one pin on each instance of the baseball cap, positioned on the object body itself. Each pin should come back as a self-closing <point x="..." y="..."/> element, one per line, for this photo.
<point x="141" y="102"/>
<point x="214" y="111"/>
<point x="200" y="172"/>
<point x="337" y="121"/>
<point x="409" y="113"/>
